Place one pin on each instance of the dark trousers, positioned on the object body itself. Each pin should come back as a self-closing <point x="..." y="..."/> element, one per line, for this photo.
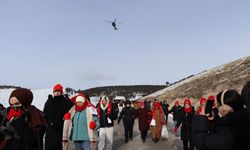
<point x="188" y="145"/>
<point x="144" y="135"/>
<point x="166" y="118"/>
<point x="128" y="130"/>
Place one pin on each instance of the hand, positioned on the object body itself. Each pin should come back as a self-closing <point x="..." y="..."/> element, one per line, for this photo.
<point x="93" y="141"/>
<point x="65" y="141"/>
<point x="175" y="130"/>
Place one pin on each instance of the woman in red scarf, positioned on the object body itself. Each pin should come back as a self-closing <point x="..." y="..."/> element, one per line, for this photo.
<point x="185" y="121"/>
<point x="157" y="121"/>
<point x="79" y="124"/>
<point x="202" y="106"/>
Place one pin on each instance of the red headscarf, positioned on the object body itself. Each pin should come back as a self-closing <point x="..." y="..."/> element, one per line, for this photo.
<point x="202" y="100"/>
<point x="190" y="108"/>
<point x="176" y="103"/>
<point x="157" y="105"/>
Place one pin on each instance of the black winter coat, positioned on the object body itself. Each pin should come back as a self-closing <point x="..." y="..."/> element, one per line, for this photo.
<point x="127" y="114"/>
<point x="165" y="109"/>
<point x="176" y="110"/>
<point x="185" y="120"/>
<point x="143" y="119"/>
<point x="103" y="119"/>
<point x="219" y="138"/>
<point x="239" y="127"/>
<point x="23" y="136"/>
<point x="54" y="110"/>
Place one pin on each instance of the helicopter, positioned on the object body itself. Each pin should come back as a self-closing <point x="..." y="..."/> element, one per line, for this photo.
<point x="114" y="23"/>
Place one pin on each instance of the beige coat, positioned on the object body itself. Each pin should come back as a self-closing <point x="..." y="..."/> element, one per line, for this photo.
<point x="67" y="127"/>
<point x="156" y="130"/>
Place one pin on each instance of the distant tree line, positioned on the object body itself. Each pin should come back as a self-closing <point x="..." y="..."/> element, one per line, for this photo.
<point x="127" y="91"/>
<point x="170" y="84"/>
<point x="9" y="87"/>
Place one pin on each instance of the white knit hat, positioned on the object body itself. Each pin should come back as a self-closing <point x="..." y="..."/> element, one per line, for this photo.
<point x="80" y="99"/>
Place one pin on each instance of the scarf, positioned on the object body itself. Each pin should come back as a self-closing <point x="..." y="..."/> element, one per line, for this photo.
<point x="81" y="108"/>
<point x="107" y="106"/>
<point x="14" y="113"/>
<point x="157" y="105"/>
<point x="37" y="120"/>
<point x="188" y="110"/>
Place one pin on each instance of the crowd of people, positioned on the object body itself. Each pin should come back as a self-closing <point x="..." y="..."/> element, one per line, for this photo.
<point x="220" y="122"/>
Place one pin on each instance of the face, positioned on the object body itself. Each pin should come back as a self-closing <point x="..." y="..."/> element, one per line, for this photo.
<point x="142" y="106"/>
<point x="203" y="104"/>
<point x="187" y="105"/>
<point x="14" y="102"/>
<point x="79" y="104"/>
<point x="104" y="102"/>
<point x="57" y="93"/>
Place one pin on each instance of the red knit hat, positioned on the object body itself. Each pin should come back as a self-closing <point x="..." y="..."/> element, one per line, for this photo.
<point x="176" y="103"/>
<point x="211" y="97"/>
<point x="202" y="100"/>
<point x="187" y="101"/>
<point x="58" y="87"/>
<point x="24" y="96"/>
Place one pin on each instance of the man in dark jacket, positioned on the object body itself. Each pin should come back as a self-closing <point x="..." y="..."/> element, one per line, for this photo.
<point x="176" y="110"/>
<point x="128" y="116"/>
<point x="54" y="110"/>
<point x="165" y="109"/>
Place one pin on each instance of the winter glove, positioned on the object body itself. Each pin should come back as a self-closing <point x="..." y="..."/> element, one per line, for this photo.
<point x="92" y="125"/>
<point x="67" y="116"/>
<point x="175" y="130"/>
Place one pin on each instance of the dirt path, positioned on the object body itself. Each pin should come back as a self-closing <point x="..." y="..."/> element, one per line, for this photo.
<point x="172" y="143"/>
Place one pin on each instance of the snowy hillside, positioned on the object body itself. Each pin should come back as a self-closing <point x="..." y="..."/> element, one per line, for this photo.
<point x="40" y="97"/>
<point x="232" y="75"/>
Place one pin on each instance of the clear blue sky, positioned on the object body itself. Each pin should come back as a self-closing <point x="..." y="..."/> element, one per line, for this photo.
<point x="70" y="42"/>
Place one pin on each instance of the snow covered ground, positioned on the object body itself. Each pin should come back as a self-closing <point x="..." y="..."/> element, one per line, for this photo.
<point x="40" y="97"/>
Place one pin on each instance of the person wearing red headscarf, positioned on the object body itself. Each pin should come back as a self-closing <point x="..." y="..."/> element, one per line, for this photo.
<point x="202" y="105"/>
<point x="185" y="121"/>
<point x="80" y="124"/>
<point x="157" y="121"/>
